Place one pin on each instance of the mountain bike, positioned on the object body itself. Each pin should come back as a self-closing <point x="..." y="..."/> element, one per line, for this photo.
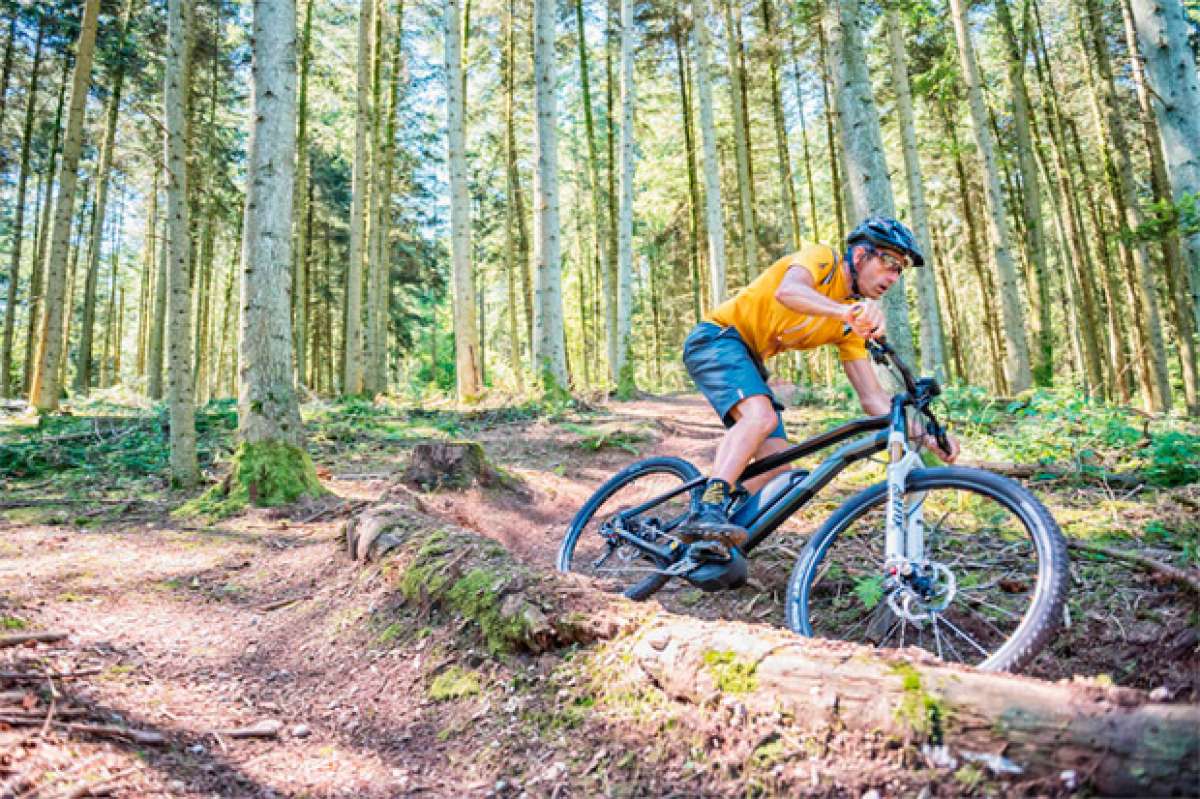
<point x="962" y="562"/>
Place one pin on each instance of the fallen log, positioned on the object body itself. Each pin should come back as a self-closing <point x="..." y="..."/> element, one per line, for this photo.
<point x="1114" y="739"/>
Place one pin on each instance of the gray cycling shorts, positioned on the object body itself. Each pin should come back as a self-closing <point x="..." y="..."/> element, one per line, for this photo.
<point x="723" y="368"/>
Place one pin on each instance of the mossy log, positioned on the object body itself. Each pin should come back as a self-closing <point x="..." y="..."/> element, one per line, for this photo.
<point x="453" y="464"/>
<point x="516" y="608"/>
<point x="1113" y="739"/>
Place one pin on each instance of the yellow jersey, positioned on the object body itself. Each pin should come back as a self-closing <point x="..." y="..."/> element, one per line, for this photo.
<point x="770" y="327"/>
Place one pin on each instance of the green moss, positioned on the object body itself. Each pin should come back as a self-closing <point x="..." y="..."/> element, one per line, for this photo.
<point x="970" y="777"/>
<point x="476" y="595"/>
<point x="730" y="674"/>
<point x="454" y="683"/>
<point x="919" y="711"/>
<point x="265" y="474"/>
<point x="12" y="623"/>
<point x="767" y="755"/>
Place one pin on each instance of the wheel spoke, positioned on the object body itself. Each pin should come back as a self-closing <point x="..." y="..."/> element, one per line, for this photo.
<point x="965" y="637"/>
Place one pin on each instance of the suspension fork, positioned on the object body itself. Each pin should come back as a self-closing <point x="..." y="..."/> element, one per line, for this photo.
<point x="905" y="526"/>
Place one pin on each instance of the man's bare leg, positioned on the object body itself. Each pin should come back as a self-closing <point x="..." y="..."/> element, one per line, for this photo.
<point x="768" y="447"/>
<point x="755" y="419"/>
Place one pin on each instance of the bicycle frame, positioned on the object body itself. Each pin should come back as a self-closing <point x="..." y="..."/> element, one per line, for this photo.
<point x="888" y="429"/>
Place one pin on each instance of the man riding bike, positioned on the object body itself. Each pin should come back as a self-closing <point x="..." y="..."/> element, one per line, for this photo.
<point x="804" y="300"/>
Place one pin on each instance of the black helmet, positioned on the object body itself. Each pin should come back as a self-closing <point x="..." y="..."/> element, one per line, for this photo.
<point x="887" y="232"/>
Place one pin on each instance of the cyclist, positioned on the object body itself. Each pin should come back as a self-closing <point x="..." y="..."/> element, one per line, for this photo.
<point x="804" y="300"/>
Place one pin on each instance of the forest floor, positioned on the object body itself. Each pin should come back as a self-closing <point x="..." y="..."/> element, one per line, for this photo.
<point x="197" y="629"/>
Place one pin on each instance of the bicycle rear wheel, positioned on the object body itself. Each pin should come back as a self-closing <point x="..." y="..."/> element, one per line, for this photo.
<point x="588" y="547"/>
<point x="991" y="597"/>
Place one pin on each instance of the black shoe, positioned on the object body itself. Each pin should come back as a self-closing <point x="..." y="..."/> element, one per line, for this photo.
<point x="709" y="522"/>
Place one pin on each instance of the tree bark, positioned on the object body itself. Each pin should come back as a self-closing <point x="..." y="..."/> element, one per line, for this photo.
<point x="83" y="362"/>
<point x="787" y="190"/>
<point x="1031" y="202"/>
<point x="514" y="256"/>
<point x="1173" y="261"/>
<point x="352" y="339"/>
<point x="267" y="407"/>
<point x="713" y="221"/>
<point x="466" y="334"/>
<point x="862" y="143"/>
<point x="808" y="170"/>
<point x="1162" y="31"/>
<point x="689" y="151"/>
<point x="45" y="386"/>
<point x="1016" y="356"/>
<point x="302" y="222"/>
<point x="14" y="271"/>
<point x="549" y="355"/>
<point x="1152" y="358"/>
<point x="933" y="359"/>
<point x="623" y="368"/>
<point x="741" y="149"/>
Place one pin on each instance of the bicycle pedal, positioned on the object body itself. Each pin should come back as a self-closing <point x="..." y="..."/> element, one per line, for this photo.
<point x="680" y="568"/>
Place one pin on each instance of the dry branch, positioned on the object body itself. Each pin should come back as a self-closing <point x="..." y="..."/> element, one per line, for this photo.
<point x="1058" y="470"/>
<point x="17" y="639"/>
<point x="1184" y="577"/>
<point x="1115" y="737"/>
<point x="105" y="730"/>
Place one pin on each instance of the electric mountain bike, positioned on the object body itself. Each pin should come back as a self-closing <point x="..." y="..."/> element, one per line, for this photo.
<point x="962" y="562"/>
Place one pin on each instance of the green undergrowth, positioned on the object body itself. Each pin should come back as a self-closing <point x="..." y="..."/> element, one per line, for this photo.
<point x="1054" y="427"/>
<point x="106" y="443"/>
<point x="918" y="710"/>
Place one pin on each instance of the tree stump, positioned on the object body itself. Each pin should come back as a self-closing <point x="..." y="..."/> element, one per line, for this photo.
<point x="453" y="464"/>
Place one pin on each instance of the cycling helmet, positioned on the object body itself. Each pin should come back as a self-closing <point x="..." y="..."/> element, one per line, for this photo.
<point x="887" y="232"/>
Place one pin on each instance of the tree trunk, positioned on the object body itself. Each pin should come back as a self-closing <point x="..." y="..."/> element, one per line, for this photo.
<point x="933" y="359"/>
<point x="713" y="221"/>
<point x="184" y="469"/>
<point x="741" y="149"/>
<point x="1152" y="357"/>
<point x="145" y="288"/>
<point x="352" y="340"/>
<point x="862" y="144"/>
<point x="689" y="151"/>
<point x="835" y="171"/>
<point x="1031" y="203"/>
<point x="268" y="414"/>
<point x="45" y="387"/>
<point x="83" y="362"/>
<point x="1176" y="271"/>
<point x="14" y="271"/>
<point x="466" y="341"/>
<point x="302" y="221"/>
<point x="159" y="323"/>
<point x="1079" y="264"/>
<point x="549" y="356"/>
<point x="974" y="257"/>
<point x="1162" y="30"/>
<point x="371" y="271"/>
<point x="808" y="171"/>
<point x="787" y="189"/>
<point x="623" y="368"/>
<point x="1016" y="361"/>
<point x="41" y="235"/>
<point x="511" y="212"/>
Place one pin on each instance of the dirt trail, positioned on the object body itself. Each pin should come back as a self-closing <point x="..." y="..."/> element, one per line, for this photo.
<point x="190" y="628"/>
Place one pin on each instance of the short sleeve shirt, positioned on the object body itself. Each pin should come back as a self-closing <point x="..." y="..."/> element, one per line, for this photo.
<point x="770" y="327"/>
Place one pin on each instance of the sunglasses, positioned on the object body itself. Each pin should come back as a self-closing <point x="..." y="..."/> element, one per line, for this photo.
<point x="894" y="263"/>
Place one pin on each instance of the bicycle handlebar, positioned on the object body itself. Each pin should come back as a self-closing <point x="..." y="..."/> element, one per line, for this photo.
<point x="921" y="391"/>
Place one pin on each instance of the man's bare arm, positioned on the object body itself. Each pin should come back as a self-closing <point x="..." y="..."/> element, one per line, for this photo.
<point x="874" y="400"/>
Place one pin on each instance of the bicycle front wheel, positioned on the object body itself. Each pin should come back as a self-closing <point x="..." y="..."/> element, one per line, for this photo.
<point x="992" y="590"/>
<point x="589" y="546"/>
